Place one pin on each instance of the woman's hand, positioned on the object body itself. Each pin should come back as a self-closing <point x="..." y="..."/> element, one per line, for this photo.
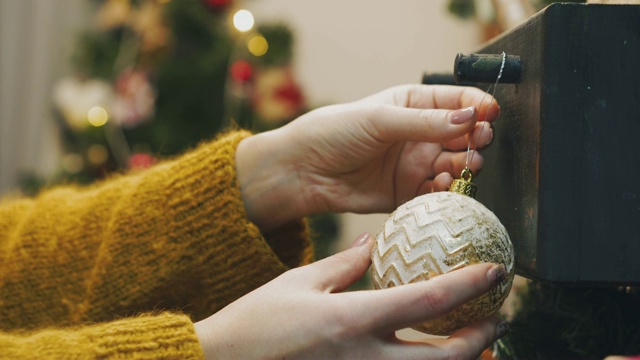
<point x="303" y="314"/>
<point x="367" y="156"/>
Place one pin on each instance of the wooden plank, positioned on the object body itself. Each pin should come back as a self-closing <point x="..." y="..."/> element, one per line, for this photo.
<point x="562" y="173"/>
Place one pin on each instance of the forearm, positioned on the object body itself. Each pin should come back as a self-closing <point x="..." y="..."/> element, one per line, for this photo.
<point x="174" y="236"/>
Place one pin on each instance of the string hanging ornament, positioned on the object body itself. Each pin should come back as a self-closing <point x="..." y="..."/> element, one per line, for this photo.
<point x="464" y="185"/>
<point x="440" y="232"/>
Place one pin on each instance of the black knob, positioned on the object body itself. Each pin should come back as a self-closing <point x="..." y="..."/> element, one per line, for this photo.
<point x="484" y="68"/>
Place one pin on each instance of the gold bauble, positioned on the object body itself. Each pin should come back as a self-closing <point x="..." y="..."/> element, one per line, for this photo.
<point x="437" y="233"/>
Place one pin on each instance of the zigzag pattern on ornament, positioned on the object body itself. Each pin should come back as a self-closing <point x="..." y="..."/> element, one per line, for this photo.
<point x="410" y="245"/>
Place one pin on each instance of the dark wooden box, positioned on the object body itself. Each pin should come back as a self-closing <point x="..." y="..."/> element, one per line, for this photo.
<point x="563" y="172"/>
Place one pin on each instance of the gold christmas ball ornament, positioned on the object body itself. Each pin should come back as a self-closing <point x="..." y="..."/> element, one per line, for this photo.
<point x="437" y="233"/>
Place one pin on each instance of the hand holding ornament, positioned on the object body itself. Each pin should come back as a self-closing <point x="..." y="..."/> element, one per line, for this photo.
<point x="366" y="156"/>
<point x="304" y="314"/>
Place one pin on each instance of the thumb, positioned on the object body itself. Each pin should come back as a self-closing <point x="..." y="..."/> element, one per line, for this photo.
<point x="336" y="273"/>
<point x="395" y="123"/>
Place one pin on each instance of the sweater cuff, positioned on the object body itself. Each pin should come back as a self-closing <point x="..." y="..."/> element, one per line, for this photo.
<point x="232" y="257"/>
<point x="292" y="253"/>
<point x="162" y="336"/>
<point x="218" y="199"/>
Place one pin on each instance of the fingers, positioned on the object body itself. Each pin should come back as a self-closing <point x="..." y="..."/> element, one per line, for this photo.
<point x="457" y="97"/>
<point x="441" y="182"/>
<point x="488" y="108"/>
<point x="467" y="343"/>
<point x="436" y="114"/>
<point x="470" y="341"/>
<point x="338" y="272"/>
<point x="440" y="97"/>
<point x="480" y="137"/>
<point x="403" y="306"/>
<point x="392" y="123"/>
<point x="454" y="163"/>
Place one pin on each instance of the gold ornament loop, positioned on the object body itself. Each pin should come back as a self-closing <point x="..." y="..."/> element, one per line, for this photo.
<point x="464" y="186"/>
<point x="466" y="171"/>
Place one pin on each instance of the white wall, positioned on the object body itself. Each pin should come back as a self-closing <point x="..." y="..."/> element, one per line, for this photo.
<point x="36" y="38"/>
<point x="347" y="49"/>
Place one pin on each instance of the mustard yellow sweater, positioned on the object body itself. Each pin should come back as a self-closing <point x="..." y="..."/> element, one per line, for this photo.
<point x="122" y="268"/>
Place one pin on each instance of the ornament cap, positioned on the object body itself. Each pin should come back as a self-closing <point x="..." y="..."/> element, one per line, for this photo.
<point x="464" y="186"/>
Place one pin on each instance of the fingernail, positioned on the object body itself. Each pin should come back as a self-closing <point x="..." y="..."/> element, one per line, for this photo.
<point x="463" y="115"/>
<point x="490" y="135"/>
<point x="502" y="329"/>
<point x="496" y="274"/>
<point x="361" y="240"/>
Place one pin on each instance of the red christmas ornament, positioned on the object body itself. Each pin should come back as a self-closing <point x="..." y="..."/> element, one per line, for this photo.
<point x="277" y="97"/>
<point x="217" y="5"/>
<point x="241" y="71"/>
<point x="290" y="93"/>
<point x="141" y="161"/>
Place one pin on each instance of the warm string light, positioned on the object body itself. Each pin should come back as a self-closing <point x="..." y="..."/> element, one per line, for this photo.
<point x="243" y="20"/>
<point x="97" y="154"/>
<point x="258" y="45"/>
<point x="97" y="116"/>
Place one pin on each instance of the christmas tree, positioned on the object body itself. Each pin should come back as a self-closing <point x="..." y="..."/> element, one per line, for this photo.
<point x="155" y="77"/>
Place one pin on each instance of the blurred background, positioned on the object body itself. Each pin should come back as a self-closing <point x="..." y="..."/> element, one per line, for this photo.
<point x="88" y="87"/>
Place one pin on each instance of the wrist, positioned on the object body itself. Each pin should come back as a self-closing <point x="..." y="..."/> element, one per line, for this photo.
<point x="268" y="181"/>
<point x="202" y="334"/>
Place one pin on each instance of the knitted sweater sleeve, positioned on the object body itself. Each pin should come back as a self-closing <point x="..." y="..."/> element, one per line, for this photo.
<point x="85" y="263"/>
<point x="160" y="336"/>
